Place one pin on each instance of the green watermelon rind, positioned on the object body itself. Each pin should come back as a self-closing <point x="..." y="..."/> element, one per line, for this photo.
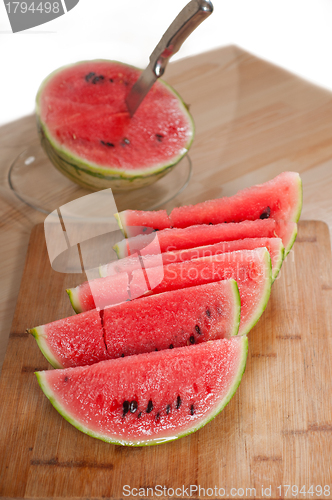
<point x="93" y="176"/>
<point x="74" y="300"/>
<point x="40" y="336"/>
<point x="291" y="240"/>
<point x="265" y="295"/>
<point x="278" y="263"/>
<point x="151" y="442"/>
<point x="298" y="208"/>
<point x="237" y="309"/>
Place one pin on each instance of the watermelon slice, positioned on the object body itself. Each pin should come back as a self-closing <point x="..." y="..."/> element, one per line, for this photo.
<point x="74" y="341"/>
<point x="149" y="398"/>
<point x="278" y="199"/>
<point x="96" y="293"/>
<point x="87" y="131"/>
<point x="172" y="319"/>
<point x="251" y="269"/>
<point x="201" y="235"/>
<point x="274" y="246"/>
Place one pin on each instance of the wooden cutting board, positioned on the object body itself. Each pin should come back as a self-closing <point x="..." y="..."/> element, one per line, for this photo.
<point x="275" y="431"/>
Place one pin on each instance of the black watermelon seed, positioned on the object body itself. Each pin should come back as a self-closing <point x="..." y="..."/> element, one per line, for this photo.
<point x="150" y="407"/>
<point x="266" y="213"/>
<point x="168" y="409"/>
<point x="126" y="141"/>
<point x="156" y="230"/>
<point x="157" y="417"/>
<point x="208" y="313"/>
<point x="156" y="349"/>
<point x="125" y="408"/>
<point x="192" y="411"/>
<point x="133" y="406"/>
<point x="97" y="78"/>
<point x="178" y="402"/>
<point x="198" y="330"/>
<point x="66" y="379"/>
<point x="103" y="143"/>
<point x="171" y="346"/>
<point x="89" y="75"/>
<point x="210" y="223"/>
<point x="111" y="80"/>
<point x="110" y="144"/>
<point x="139" y="415"/>
<point x="192" y="339"/>
<point x="122" y="355"/>
<point x="159" y="137"/>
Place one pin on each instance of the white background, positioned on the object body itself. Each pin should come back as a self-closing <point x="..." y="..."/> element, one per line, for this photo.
<point x="295" y="34"/>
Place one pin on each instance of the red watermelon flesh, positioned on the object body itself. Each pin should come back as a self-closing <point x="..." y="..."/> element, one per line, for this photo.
<point x="84" y="109"/>
<point x="278" y="199"/>
<point x="274" y="246"/>
<point x="173" y="319"/>
<point x="251" y="269"/>
<point x="201" y="235"/>
<point x="99" y="293"/>
<point x="74" y="341"/>
<point x="149" y="398"/>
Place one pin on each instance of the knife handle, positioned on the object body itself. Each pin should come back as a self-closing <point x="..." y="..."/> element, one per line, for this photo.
<point x="185" y="23"/>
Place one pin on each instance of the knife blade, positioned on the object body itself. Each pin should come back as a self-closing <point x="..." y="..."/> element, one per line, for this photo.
<point x="191" y="16"/>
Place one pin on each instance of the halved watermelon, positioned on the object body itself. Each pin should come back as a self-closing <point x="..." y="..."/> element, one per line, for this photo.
<point x="74" y="341"/>
<point x="129" y="264"/>
<point x="149" y="398"/>
<point x="278" y="199"/>
<point x="201" y="235"/>
<point x="88" y="133"/>
<point x="172" y="319"/>
<point x="251" y="269"/>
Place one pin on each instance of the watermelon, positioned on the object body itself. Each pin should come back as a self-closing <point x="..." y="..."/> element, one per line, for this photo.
<point x="89" y="135"/>
<point x="74" y="341"/>
<point x="129" y="264"/>
<point x="201" y="235"/>
<point x="173" y="319"/>
<point x="96" y="293"/>
<point x="278" y="199"/>
<point x="150" y="398"/>
<point x="251" y="269"/>
<point x="168" y="320"/>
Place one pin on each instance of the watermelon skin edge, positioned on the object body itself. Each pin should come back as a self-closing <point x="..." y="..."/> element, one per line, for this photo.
<point x="279" y="263"/>
<point x="39" y="335"/>
<point x="238" y="309"/>
<point x="151" y="442"/>
<point x="96" y="177"/>
<point x="74" y="300"/>
<point x="265" y="296"/>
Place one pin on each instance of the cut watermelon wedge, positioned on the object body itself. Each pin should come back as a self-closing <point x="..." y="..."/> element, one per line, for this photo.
<point x="274" y="246"/>
<point x="149" y="398"/>
<point x="278" y="199"/>
<point x="74" y="341"/>
<point x="172" y="319"/>
<point x="251" y="269"/>
<point x="201" y="235"/>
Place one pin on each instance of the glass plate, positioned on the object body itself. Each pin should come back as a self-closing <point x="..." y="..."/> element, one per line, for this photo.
<point x="32" y="169"/>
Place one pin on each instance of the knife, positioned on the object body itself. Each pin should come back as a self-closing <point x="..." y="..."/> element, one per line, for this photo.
<point x="185" y="23"/>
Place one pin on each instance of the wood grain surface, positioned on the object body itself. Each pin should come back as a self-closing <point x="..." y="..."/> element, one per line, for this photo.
<point x="277" y="429"/>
